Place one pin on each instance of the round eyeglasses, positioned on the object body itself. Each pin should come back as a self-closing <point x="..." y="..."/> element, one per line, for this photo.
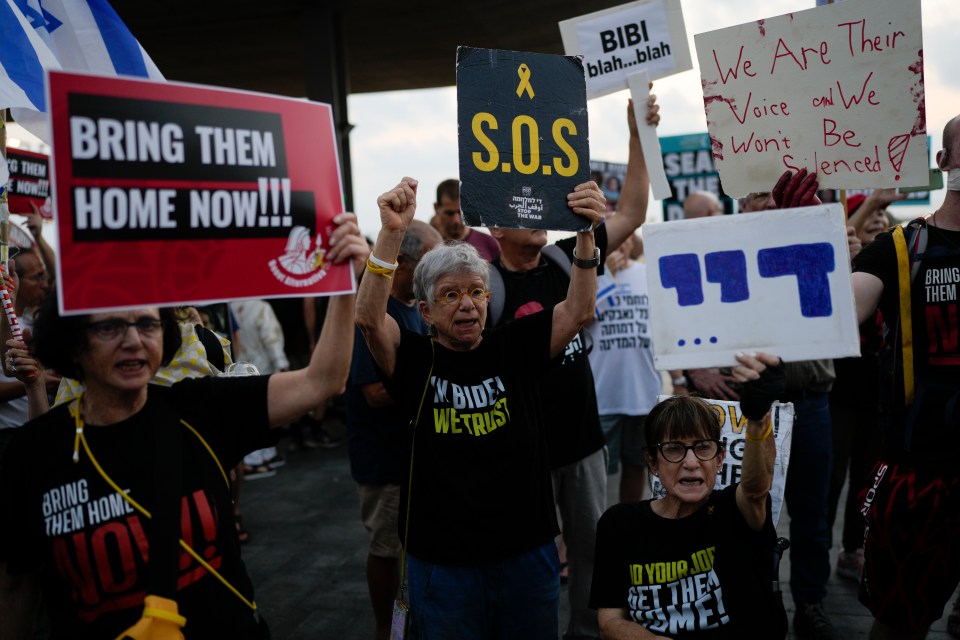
<point x="704" y="450"/>
<point x="451" y="297"/>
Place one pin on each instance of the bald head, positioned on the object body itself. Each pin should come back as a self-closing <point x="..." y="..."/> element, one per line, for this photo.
<point x="419" y="238"/>
<point x="702" y="204"/>
<point x="949" y="156"/>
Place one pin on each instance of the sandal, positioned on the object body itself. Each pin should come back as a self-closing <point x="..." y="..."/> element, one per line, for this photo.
<point x="953" y="620"/>
<point x="255" y="472"/>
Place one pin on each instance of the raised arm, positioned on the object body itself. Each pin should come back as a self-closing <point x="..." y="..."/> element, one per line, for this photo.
<point x="290" y="394"/>
<point x="35" y="227"/>
<point x="31" y="378"/>
<point x="878" y="200"/>
<point x="577" y="308"/>
<point x="764" y="381"/>
<point x="381" y="332"/>
<point x="635" y="193"/>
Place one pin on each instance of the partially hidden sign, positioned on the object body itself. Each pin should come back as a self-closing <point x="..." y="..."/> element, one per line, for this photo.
<point x="775" y="281"/>
<point x="689" y="166"/>
<point x="29" y="182"/>
<point x="648" y="35"/>
<point x="836" y="89"/>
<point x="172" y="194"/>
<point x="523" y="139"/>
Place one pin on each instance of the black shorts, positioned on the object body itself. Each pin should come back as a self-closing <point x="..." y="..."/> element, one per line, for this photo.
<point x="911" y="545"/>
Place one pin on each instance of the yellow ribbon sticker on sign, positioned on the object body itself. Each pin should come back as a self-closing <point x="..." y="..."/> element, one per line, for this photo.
<point x="524" y="73"/>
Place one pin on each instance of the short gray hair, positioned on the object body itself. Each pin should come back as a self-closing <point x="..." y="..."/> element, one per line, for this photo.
<point x="450" y="257"/>
<point x="416" y="237"/>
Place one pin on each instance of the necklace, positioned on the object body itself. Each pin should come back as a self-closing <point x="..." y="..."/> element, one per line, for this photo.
<point x="943" y="232"/>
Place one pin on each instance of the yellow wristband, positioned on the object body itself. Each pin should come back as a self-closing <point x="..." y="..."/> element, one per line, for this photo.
<point x="766" y="434"/>
<point x="380" y="271"/>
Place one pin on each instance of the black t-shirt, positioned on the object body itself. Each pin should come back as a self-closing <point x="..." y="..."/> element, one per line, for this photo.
<point x="570" y="399"/>
<point x="481" y="480"/>
<point x="376" y="436"/>
<point x="931" y="438"/>
<point x="703" y="576"/>
<point x="63" y="518"/>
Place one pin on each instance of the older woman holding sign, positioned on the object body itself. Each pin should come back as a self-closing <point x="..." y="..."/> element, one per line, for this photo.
<point x="120" y="499"/>
<point x="479" y="515"/>
<point x="696" y="562"/>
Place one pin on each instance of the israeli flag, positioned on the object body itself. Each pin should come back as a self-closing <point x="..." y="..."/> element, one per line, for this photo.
<point x="74" y="35"/>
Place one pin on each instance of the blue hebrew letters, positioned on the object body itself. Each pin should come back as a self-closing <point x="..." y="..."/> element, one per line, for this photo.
<point x="682" y="272"/>
<point x="810" y="263"/>
<point x="729" y="269"/>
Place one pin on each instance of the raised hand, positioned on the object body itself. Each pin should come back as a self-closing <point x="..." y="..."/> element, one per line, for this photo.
<point x="653" y="113"/>
<point x="398" y="205"/>
<point x="764" y="381"/>
<point x="347" y="243"/>
<point x="798" y="190"/>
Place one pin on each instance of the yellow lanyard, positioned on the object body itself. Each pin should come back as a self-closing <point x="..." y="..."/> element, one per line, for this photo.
<point x="80" y="438"/>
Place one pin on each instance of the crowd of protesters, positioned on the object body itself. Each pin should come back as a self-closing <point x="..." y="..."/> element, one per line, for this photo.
<point x="481" y="431"/>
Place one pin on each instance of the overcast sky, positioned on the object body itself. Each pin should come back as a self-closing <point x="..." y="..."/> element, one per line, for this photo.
<point x="415" y="132"/>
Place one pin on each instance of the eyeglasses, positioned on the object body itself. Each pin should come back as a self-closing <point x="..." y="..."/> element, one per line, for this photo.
<point x="451" y="297"/>
<point x="109" y="330"/>
<point x="704" y="450"/>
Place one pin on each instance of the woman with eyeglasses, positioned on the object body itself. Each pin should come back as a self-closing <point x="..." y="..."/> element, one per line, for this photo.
<point x="696" y="563"/>
<point x="477" y="515"/>
<point x="118" y="503"/>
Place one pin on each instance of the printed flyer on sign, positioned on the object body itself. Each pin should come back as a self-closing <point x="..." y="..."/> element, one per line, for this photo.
<point x="732" y="436"/>
<point x="172" y="194"/>
<point x="523" y="140"/>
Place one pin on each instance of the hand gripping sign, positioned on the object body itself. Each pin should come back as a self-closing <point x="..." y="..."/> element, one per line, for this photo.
<point x="171" y="194"/>
<point x="523" y="138"/>
<point x="775" y="281"/>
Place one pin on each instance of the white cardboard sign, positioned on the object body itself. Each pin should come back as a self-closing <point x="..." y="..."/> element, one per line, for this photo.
<point x="649" y="141"/>
<point x="837" y="89"/>
<point x="732" y="435"/>
<point x="648" y="34"/>
<point x="775" y="281"/>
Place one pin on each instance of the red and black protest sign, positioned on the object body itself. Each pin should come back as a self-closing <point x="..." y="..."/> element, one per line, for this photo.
<point x="29" y="182"/>
<point x="170" y="193"/>
<point x="523" y="138"/>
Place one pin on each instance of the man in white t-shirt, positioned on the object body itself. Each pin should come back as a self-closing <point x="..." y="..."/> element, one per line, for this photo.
<point x="622" y="361"/>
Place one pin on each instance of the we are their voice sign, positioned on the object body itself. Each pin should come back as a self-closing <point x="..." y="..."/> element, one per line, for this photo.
<point x="775" y="281"/>
<point x="170" y="194"/>
<point x="837" y="89"/>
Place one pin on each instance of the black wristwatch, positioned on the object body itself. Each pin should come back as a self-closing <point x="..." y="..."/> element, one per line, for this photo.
<point x="592" y="263"/>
